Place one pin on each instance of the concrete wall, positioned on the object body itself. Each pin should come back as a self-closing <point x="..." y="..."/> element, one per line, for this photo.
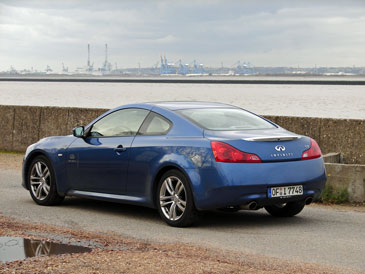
<point x="350" y="177"/>
<point x="346" y="136"/>
<point x="23" y="125"/>
<point x="333" y="158"/>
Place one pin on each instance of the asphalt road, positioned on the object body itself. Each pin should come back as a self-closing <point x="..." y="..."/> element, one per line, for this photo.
<point x="334" y="237"/>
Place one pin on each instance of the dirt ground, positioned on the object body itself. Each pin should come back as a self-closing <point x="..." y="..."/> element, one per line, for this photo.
<point x="11" y="160"/>
<point x="112" y="253"/>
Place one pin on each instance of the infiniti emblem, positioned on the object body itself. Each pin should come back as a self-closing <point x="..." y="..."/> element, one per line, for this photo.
<point x="280" y="148"/>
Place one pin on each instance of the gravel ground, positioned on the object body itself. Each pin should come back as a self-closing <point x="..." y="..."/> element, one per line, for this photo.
<point x="11" y="160"/>
<point x="112" y="253"/>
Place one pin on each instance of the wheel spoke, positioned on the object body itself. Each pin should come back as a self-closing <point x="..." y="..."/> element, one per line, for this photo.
<point x="169" y="186"/>
<point x="179" y="205"/>
<point x="172" y="212"/>
<point x="163" y="198"/>
<point x="38" y="191"/>
<point x="35" y="183"/>
<point x="182" y="202"/>
<point x="38" y="168"/>
<point x="166" y="203"/>
<point x="46" y="173"/>
<point x="35" y="178"/>
<point x="177" y="187"/>
<point x="180" y="189"/>
<point x="46" y="189"/>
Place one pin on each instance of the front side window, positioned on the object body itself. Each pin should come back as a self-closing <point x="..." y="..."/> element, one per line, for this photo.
<point x="225" y="119"/>
<point x="125" y="122"/>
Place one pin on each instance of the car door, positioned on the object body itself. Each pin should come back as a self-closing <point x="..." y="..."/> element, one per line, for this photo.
<point x="148" y="148"/>
<point x="99" y="162"/>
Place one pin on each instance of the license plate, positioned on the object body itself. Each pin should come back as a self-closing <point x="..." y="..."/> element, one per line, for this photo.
<point x="285" y="191"/>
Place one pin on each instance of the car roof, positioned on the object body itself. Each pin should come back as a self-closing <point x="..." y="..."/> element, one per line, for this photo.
<point x="176" y="105"/>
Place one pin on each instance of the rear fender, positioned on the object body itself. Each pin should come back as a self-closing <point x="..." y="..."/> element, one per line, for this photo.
<point x="192" y="175"/>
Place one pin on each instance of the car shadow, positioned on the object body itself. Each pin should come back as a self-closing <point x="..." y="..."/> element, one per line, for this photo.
<point x="207" y="219"/>
<point x="248" y="219"/>
<point x="112" y="208"/>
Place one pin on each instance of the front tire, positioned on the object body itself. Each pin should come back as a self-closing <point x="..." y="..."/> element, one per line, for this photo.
<point x="174" y="200"/>
<point x="285" y="210"/>
<point x="42" y="182"/>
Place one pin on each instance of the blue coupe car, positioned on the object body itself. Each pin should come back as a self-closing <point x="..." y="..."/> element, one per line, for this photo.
<point x="181" y="158"/>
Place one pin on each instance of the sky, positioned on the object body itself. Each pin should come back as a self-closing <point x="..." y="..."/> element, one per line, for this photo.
<point x="36" y="33"/>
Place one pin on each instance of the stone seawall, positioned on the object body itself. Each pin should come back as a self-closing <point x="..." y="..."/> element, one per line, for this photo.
<point x="24" y="125"/>
<point x="346" y="136"/>
<point x="349" y="177"/>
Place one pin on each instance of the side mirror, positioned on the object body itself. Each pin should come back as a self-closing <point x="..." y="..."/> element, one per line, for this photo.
<point x="78" y="132"/>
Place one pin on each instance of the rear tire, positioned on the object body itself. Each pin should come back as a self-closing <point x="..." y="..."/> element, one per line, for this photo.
<point x="42" y="182"/>
<point x="174" y="200"/>
<point x="285" y="210"/>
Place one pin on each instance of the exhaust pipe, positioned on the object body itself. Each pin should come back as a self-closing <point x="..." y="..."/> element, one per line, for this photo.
<point x="250" y="206"/>
<point x="308" y="201"/>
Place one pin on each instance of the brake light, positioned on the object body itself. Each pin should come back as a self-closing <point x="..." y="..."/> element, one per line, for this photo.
<point x="313" y="152"/>
<point x="228" y="154"/>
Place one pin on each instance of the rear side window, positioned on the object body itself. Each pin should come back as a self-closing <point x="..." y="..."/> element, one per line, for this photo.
<point x="155" y="124"/>
<point x="125" y="122"/>
<point x="225" y="119"/>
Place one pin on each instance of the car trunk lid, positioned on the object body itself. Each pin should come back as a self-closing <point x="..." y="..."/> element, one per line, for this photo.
<point x="271" y="145"/>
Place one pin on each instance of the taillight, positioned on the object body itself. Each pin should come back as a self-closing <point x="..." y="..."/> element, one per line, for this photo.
<point x="313" y="152"/>
<point x="228" y="154"/>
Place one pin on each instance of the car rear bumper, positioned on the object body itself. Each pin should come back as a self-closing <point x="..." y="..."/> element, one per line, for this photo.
<point x="233" y="184"/>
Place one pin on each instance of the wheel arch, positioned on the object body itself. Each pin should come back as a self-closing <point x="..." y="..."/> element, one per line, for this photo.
<point x="28" y="162"/>
<point x="159" y="175"/>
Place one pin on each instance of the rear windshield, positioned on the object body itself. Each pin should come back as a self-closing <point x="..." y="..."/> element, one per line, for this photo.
<point x="225" y="119"/>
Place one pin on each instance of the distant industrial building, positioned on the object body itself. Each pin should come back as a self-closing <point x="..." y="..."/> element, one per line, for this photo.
<point x="171" y="68"/>
<point x="166" y="68"/>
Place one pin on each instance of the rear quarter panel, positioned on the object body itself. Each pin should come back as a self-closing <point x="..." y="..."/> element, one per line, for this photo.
<point x="150" y="154"/>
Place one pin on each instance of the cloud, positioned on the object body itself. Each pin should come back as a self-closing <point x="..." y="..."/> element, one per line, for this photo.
<point x="266" y="33"/>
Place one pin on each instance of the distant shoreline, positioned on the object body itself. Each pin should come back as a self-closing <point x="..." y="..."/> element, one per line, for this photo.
<point x="198" y="80"/>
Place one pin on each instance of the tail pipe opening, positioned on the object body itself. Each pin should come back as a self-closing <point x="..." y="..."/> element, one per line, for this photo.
<point x="250" y="206"/>
<point x="308" y="201"/>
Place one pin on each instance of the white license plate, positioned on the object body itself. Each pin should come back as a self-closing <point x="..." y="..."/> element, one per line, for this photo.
<point x="285" y="191"/>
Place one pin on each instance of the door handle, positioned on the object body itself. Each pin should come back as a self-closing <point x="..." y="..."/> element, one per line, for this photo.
<point x="120" y="148"/>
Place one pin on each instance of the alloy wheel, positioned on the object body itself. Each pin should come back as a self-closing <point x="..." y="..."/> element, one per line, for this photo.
<point x="173" y="198"/>
<point x="40" y="180"/>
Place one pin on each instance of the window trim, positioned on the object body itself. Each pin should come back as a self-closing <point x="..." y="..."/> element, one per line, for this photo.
<point x="89" y="129"/>
<point x="147" y="122"/>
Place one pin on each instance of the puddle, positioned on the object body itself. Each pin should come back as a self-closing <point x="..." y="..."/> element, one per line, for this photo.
<point x="16" y="248"/>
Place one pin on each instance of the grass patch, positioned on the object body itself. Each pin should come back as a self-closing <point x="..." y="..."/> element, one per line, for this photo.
<point x="334" y="196"/>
